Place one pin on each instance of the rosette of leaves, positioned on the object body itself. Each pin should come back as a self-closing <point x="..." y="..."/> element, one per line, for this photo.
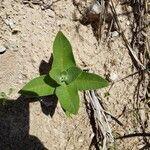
<point x="65" y="78"/>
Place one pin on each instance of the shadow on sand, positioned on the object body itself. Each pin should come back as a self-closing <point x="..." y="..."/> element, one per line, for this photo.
<point x="14" y="119"/>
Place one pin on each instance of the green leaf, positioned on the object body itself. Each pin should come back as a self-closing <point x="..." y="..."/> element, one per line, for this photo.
<point x="40" y="86"/>
<point x="72" y="74"/>
<point x="66" y="76"/>
<point x="90" y="81"/>
<point x="62" y="53"/>
<point x="68" y="98"/>
<point x="59" y="77"/>
<point x="55" y="74"/>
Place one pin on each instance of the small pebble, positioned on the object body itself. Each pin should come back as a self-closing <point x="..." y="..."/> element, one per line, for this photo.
<point x="80" y="139"/>
<point x="114" y="34"/>
<point x="92" y="135"/>
<point x="140" y="146"/>
<point x="95" y="8"/>
<point x="50" y="13"/>
<point x="2" y="49"/>
<point x="113" y="76"/>
<point x="10" y="23"/>
<point x="128" y="23"/>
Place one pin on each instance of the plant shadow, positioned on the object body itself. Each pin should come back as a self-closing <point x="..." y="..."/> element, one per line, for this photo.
<point x="14" y="126"/>
<point x="14" y="118"/>
<point x="48" y="103"/>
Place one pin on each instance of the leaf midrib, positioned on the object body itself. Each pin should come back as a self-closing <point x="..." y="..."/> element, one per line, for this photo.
<point x="86" y="80"/>
<point x="70" y="100"/>
<point x="62" y="60"/>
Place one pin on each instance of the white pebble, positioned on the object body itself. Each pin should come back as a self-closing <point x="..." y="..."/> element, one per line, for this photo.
<point x="114" y="34"/>
<point x="128" y="23"/>
<point x="140" y="146"/>
<point x="80" y="139"/>
<point x="50" y="13"/>
<point x="2" y="49"/>
<point x="10" y="23"/>
<point x="113" y="76"/>
<point x="95" y="8"/>
<point x="92" y="135"/>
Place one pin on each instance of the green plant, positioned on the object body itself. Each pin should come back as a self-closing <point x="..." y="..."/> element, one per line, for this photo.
<point x="65" y="79"/>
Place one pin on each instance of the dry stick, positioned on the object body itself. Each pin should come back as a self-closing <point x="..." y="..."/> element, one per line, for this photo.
<point x="148" y="47"/>
<point x="139" y="10"/>
<point x="124" y="38"/>
<point x="109" y="30"/>
<point x="130" y="75"/>
<point x="101" y="21"/>
<point x="101" y="119"/>
<point x="133" y="55"/>
<point x="133" y="135"/>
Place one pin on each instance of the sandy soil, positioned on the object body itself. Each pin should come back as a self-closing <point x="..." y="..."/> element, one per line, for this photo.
<point x="28" y="31"/>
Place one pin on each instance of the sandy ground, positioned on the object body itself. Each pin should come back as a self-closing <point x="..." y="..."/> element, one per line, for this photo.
<point x="28" y="32"/>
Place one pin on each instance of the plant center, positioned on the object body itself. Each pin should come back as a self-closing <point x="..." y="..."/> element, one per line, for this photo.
<point x="63" y="76"/>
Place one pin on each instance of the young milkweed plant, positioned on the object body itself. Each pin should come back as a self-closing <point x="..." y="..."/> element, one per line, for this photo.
<point x="65" y="78"/>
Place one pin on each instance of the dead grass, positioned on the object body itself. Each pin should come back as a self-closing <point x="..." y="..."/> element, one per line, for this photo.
<point x="138" y="48"/>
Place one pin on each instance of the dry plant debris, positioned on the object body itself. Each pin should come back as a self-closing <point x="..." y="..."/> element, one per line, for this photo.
<point x="137" y="46"/>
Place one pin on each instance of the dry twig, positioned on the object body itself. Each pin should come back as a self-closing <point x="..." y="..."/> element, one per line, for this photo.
<point x="101" y="120"/>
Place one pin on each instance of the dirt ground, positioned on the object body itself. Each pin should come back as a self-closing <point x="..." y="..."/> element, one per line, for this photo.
<point x="27" y="31"/>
